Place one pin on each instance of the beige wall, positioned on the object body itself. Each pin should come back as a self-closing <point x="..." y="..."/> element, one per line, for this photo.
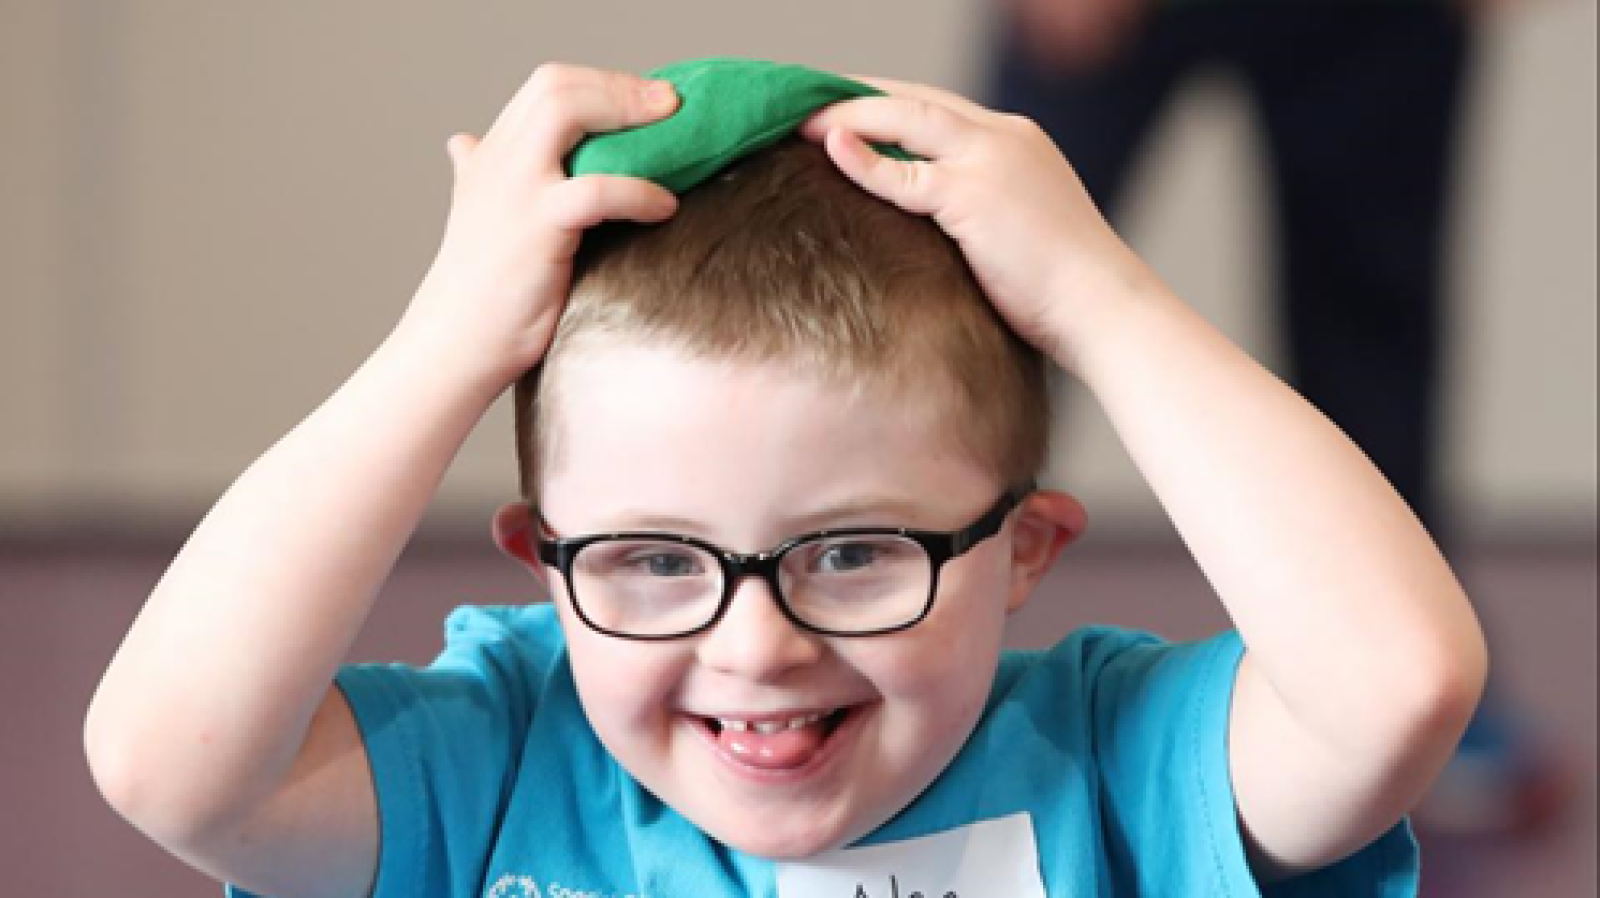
<point x="209" y="213"/>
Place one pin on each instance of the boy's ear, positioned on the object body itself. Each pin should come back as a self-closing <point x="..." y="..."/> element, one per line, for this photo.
<point x="513" y="533"/>
<point x="1046" y="522"/>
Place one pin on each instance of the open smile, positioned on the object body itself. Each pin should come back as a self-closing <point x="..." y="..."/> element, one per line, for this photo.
<point x="779" y="749"/>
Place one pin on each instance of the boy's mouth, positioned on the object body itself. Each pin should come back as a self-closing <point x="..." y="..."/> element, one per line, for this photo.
<point x="775" y="743"/>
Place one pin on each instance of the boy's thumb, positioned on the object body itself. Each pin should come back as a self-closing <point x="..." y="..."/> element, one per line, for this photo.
<point x="460" y="146"/>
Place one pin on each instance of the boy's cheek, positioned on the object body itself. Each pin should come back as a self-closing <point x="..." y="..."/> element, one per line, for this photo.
<point x="968" y="620"/>
<point x="628" y="701"/>
<point x="945" y="665"/>
<point x="926" y="665"/>
<point x="606" y="669"/>
<point x="612" y="665"/>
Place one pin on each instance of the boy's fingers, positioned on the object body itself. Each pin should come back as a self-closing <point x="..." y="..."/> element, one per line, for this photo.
<point x="937" y="96"/>
<point x="925" y="129"/>
<point x="909" y="185"/>
<point x="583" y="202"/>
<point x="546" y="77"/>
<point x="459" y="147"/>
<point x="564" y="103"/>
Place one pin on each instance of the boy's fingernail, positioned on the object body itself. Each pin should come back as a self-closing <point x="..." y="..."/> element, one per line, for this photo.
<point x="659" y="94"/>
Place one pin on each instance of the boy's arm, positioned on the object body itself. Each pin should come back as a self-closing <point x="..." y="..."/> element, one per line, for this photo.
<point x="1364" y="659"/>
<point x="215" y="729"/>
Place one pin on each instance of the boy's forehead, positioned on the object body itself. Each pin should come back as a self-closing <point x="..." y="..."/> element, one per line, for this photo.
<point x="660" y="421"/>
<point x="623" y="372"/>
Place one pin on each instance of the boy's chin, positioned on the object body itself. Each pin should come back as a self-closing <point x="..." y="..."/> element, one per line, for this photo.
<point x="779" y="848"/>
<point x="791" y="840"/>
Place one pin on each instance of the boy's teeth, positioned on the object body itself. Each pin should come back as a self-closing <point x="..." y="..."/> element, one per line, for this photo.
<point x="769" y="727"/>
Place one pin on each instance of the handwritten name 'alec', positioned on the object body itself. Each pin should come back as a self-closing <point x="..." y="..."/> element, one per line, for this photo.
<point x="894" y="892"/>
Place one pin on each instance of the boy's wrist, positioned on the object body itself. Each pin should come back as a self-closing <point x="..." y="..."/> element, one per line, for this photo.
<point x="448" y="358"/>
<point x="482" y="353"/>
<point x="1094" y="304"/>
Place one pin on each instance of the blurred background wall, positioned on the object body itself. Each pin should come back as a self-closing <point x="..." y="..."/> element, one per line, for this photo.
<point x="209" y="214"/>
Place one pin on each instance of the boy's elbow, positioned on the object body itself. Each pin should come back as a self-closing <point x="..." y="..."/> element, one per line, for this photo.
<point x="108" y="762"/>
<point x="124" y="780"/>
<point x="1446" y="685"/>
<point x="157" y="800"/>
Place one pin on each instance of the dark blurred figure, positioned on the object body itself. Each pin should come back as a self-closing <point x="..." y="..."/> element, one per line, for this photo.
<point x="1359" y="103"/>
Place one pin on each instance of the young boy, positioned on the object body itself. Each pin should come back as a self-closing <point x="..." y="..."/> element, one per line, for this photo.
<point x="778" y="457"/>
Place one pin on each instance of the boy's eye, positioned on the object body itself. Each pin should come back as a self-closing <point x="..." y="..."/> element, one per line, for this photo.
<point x="840" y="558"/>
<point x="644" y="560"/>
<point x="665" y="564"/>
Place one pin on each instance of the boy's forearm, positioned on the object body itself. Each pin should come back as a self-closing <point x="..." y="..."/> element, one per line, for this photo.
<point x="1342" y="598"/>
<point x="211" y="693"/>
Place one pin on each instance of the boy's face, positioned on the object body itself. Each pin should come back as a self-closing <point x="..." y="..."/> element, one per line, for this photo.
<point x="745" y="456"/>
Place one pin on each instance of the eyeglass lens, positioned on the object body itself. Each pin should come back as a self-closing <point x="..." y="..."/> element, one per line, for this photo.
<point x="845" y="584"/>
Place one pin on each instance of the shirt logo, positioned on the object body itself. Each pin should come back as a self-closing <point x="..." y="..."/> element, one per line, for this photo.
<point x="509" y="886"/>
<point x="513" y="885"/>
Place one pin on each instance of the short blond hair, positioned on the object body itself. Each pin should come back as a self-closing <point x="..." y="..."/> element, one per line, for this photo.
<point x="781" y="258"/>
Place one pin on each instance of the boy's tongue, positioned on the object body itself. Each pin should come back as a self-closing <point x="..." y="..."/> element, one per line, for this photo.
<point x="782" y="750"/>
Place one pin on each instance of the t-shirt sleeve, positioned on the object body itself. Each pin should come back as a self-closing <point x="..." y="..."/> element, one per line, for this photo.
<point x="1160" y="722"/>
<point x="443" y="743"/>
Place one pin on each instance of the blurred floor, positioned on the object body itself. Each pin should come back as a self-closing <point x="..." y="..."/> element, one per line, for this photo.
<point x="67" y="610"/>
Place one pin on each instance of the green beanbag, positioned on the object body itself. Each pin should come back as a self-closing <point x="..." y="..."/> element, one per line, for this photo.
<point x="728" y="108"/>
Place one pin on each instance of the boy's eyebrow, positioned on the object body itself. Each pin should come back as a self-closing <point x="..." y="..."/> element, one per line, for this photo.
<point x="884" y="510"/>
<point x="633" y="520"/>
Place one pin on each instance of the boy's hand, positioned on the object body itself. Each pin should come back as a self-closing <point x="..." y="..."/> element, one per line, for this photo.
<point x="496" y="289"/>
<point x="1308" y="546"/>
<point x="998" y="186"/>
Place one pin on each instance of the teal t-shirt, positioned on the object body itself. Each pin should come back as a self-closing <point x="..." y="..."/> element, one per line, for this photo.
<point x="1112" y="745"/>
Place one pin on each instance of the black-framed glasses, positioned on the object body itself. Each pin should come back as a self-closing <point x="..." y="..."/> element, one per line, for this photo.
<point x="854" y="581"/>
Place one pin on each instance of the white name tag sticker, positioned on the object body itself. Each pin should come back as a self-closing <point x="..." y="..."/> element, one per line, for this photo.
<point x="993" y="859"/>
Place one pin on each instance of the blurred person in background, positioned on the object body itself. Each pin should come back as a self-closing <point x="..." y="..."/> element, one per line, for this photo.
<point x="1359" y="104"/>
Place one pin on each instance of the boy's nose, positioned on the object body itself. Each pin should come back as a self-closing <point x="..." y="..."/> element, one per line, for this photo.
<point x="754" y="639"/>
